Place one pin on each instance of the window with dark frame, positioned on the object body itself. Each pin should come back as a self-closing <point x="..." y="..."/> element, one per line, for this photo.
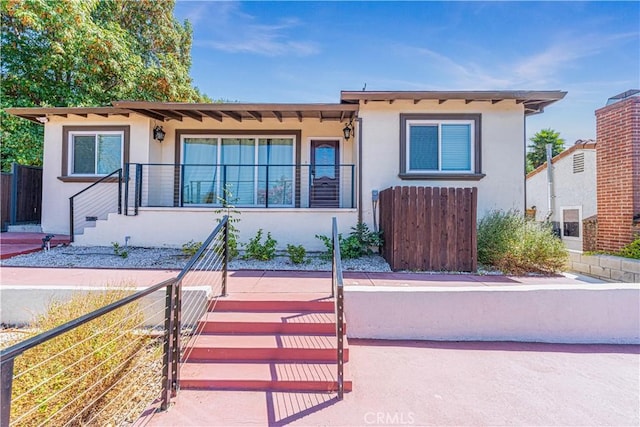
<point x="440" y="146"/>
<point x="92" y="152"/>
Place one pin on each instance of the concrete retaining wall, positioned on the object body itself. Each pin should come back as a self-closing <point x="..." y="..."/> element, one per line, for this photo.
<point x="20" y="304"/>
<point x="533" y="313"/>
<point x="608" y="267"/>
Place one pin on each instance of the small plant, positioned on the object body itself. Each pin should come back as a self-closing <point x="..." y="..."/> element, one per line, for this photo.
<point x="357" y="244"/>
<point x="122" y="252"/>
<point x="261" y="251"/>
<point x="516" y="245"/>
<point x="297" y="253"/>
<point x="228" y="208"/>
<point x="632" y="250"/>
<point x="191" y="248"/>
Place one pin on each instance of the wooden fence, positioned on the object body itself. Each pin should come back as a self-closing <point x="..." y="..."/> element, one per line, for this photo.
<point x="429" y="228"/>
<point x="22" y="195"/>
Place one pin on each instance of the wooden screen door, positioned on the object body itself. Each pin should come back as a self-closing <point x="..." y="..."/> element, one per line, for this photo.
<point x="325" y="174"/>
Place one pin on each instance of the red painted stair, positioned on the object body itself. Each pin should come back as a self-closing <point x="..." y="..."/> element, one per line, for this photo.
<point x="265" y="344"/>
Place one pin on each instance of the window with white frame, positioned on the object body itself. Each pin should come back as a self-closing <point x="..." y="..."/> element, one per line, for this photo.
<point x="571" y="222"/>
<point x="255" y="170"/>
<point x="95" y="153"/>
<point x="433" y="145"/>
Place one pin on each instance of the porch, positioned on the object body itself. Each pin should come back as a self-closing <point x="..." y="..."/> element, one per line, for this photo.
<point x="238" y="185"/>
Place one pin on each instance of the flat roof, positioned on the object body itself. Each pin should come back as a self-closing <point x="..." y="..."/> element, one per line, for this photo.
<point x="36" y="113"/>
<point x="534" y="101"/>
<point x="172" y="110"/>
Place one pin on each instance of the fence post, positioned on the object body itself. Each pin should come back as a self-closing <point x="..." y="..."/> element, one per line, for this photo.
<point x="120" y="191"/>
<point x="353" y="187"/>
<point x="167" y="362"/>
<point x="177" y="328"/>
<point x="138" y="187"/>
<point x="266" y="193"/>
<point x="71" y="233"/>
<point x="126" y="189"/>
<point x="14" y="193"/>
<point x="225" y="255"/>
<point x="224" y="186"/>
<point x="6" y="376"/>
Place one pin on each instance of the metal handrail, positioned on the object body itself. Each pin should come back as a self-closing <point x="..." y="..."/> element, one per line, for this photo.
<point x="104" y="178"/>
<point x="171" y="333"/>
<point x="337" y="292"/>
<point x="118" y="171"/>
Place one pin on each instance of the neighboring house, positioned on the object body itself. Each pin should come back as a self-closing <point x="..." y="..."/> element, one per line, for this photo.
<point x="290" y="167"/>
<point x="573" y="191"/>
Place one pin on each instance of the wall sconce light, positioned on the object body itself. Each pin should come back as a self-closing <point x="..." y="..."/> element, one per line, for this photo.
<point x="158" y="133"/>
<point x="348" y="130"/>
<point x="43" y="119"/>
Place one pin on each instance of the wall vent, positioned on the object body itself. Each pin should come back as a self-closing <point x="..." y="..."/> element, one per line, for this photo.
<point x="578" y="162"/>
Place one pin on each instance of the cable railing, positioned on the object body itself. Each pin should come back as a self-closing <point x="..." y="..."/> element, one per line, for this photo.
<point x="337" y="292"/>
<point x="106" y="367"/>
<point x="250" y="185"/>
<point x="95" y="202"/>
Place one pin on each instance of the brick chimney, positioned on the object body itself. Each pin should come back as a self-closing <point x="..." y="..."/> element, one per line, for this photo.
<point x="618" y="173"/>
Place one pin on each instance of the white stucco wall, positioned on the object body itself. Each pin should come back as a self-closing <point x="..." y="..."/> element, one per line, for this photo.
<point x="536" y="313"/>
<point x="174" y="227"/>
<point x="572" y="190"/>
<point x="502" y="151"/>
<point x="166" y="227"/>
<point x="55" y="193"/>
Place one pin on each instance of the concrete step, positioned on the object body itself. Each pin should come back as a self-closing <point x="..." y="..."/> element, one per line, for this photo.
<point x="325" y="305"/>
<point x="275" y="376"/>
<point x="25" y="228"/>
<point x="238" y="348"/>
<point x="237" y="322"/>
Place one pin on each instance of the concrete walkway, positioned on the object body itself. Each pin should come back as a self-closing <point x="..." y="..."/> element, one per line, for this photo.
<point x="440" y="383"/>
<point x="269" y="281"/>
<point x="19" y="243"/>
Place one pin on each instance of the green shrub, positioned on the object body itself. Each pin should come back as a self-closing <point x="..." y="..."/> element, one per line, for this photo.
<point x="297" y="253"/>
<point x="357" y="244"/>
<point x="191" y="248"/>
<point x="515" y="245"/>
<point x="261" y="251"/>
<point x="632" y="250"/>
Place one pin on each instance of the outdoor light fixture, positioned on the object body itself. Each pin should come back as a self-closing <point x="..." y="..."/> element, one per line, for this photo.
<point x="158" y="133"/>
<point x="347" y="130"/>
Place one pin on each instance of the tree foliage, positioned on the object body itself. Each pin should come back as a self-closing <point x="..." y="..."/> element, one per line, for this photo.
<point x="88" y="53"/>
<point x="537" y="154"/>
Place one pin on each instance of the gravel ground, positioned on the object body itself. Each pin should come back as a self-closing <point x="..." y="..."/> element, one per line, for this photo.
<point x="168" y="258"/>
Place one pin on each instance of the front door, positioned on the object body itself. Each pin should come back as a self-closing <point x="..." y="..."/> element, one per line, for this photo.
<point x="325" y="174"/>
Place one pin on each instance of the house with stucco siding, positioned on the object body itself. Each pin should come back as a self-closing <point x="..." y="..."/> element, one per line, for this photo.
<point x="566" y="194"/>
<point x="158" y="174"/>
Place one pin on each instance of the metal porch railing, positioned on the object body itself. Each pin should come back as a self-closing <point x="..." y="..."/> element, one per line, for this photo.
<point x="337" y="292"/>
<point x="74" y="373"/>
<point x="247" y="186"/>
<point x="95" y="202"/>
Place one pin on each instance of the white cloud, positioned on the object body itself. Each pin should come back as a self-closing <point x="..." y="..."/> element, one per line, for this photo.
<point x="539" y="69"/>
<point x="232" y="30"/>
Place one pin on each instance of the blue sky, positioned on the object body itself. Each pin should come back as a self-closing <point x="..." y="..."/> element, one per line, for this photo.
<point x="309" y="51"/>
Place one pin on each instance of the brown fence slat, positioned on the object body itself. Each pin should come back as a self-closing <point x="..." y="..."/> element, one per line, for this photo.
<point x="6" y="199"/>
<point x="429" y="228"/>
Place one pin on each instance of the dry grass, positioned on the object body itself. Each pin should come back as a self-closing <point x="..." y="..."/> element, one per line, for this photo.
<point x="102" y="373"/>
